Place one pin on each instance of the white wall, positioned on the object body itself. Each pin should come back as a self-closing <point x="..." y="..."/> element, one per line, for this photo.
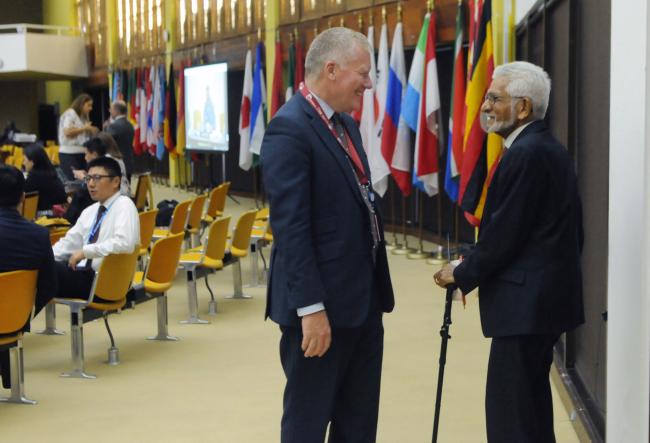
<point x="628" y="339"/>
<point x="44" y="53"/>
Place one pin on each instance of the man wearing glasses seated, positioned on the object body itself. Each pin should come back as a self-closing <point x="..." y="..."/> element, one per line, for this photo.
<point x="109" y="226"/>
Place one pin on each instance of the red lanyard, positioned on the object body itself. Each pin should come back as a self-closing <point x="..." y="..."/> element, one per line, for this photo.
<point x="352" y="153"/>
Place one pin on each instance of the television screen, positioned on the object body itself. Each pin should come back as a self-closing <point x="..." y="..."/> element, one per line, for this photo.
<point x="206" y="107"/>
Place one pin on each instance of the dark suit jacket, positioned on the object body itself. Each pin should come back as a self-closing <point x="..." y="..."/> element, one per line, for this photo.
<point x="321" y="229"/>
<point x="122" y="131"/>
<point x="25" y="245"/>
<point x="526" y="262"/>
<point x="50" y="189"/>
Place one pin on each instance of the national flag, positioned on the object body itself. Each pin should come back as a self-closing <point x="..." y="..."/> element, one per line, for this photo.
<point x="258" y="103"/>
<point x="140" y="112"/>
<point x="159" y="128"/>
<point x="169" y="123"/>
<point x="299" y="66"/>
<point x="428" y="134"/>
<point x="180" y="122"/>
<point x="245" y="156"/>
<point x="477" y="168"/>
<point x="132" y="95"/>
<point x="291" y="75"/>
<point x="370" y="136"/>
<point x="411" y="102"/>
<point x="152" y="116"/>
<point x="456" y="112"/>
<point x="392" y="138"/>
<point x="277" y="95"/>
<point x="381" y="87"/>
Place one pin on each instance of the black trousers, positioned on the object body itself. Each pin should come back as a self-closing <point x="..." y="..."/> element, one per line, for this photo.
<point x="518" y="403"/>
<point x="73" y="284"/>
<point x="340" y="389"/>
<point x="68" y="162"/>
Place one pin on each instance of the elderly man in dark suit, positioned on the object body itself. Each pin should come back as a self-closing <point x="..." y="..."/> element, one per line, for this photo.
<point x="526" y="262"/>
<point x="24" y="245"/>
<point x="122" y="131"/>
<point x="329" y="282"/>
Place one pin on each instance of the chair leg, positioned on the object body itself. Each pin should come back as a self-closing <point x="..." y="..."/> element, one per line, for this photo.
<point x="236" y="278"/>
<point x="17" y="377"/>
<point x="196" y="239"/>
<point x="50" y="321"/>
<point x="212" y="304"/>
<point x="193" y="300"/>
<point x="253" y="259"/>
<point x="161" y="309"/>
<point x="113" y="352"/>
<point x="77" y="343"/>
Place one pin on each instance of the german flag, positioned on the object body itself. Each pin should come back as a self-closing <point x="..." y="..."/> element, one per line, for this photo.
<point x="480" y="153"/>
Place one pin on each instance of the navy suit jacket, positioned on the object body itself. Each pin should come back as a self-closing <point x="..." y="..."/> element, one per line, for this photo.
<point x="25" y="245"/>
<point x="322" y="244"/>
<point x="526" y="262"/>
<point x="123" y="133"/>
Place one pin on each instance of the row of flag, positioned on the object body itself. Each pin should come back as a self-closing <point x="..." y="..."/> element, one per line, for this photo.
<point x="253" y="109"/>
<point x="399" y="109"/>
<point x="158" y="118"/>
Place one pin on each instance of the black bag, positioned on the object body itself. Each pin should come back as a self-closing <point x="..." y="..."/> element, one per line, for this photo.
<point x="165" y="211"/>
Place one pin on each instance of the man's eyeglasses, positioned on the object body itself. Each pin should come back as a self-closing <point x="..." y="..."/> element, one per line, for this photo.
<point x="95" y="178"/>
<point x="493" y="98"/>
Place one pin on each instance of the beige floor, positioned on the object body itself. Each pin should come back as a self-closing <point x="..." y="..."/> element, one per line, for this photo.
<point x="223" y="381"/>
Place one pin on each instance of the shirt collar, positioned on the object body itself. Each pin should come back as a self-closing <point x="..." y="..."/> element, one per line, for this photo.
<point x="110" y="200"/>
<point x="119" y="117"/>
<point x="327" y="109"/>
<point x="514" y="134"/>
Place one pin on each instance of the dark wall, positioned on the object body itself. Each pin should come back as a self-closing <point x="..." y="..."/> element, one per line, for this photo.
<point x="27" y="94"/>
<point x="570" y="38"/>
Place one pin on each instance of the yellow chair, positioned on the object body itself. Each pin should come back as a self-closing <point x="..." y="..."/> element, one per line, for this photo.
<point x="147" y="226"/>
<point x="159" y="277"/>
<point x="210" y="259"/>
<point x="50" y="309"/>
<point x="194" y="219"/>
<point x="260" y="237"/>
<point x="239" y="249"/>
<point x="178" y="223"/>
<point x="144" y="192"/>
<point x="30" y="206"/>
<point x="216" y="203"/>
<point x="112" y="282"/>
<point x="17" y="294"/>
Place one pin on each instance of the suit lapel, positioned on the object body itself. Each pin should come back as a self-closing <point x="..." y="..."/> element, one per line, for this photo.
<point x="333" y="147"/>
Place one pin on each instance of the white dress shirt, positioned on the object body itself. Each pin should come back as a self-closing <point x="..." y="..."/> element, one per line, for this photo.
<point x="513" y="135"/>
<point x="119" y="232"/>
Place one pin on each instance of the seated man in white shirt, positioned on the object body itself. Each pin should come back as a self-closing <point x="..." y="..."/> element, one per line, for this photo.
<point x="109" y="226"/>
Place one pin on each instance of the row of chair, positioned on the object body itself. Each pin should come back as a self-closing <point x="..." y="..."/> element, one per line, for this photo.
<point x="158" y="274"/>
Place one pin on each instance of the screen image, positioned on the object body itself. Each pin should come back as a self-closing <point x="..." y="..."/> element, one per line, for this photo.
<point x="206" y="107"/>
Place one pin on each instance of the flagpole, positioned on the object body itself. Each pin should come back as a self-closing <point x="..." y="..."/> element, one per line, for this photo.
<point x="404" y="248"/>
<point x="419" y="254"/>
<point x="395" y="244"/>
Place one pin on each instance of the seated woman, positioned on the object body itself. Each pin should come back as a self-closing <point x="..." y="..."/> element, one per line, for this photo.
<point x="41" y="177"/>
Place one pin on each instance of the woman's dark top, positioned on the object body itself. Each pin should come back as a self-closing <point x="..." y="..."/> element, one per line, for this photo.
<point x="50" y="189"/>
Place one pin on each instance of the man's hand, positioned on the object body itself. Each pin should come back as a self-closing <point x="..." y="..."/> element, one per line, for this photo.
<point x="445" y="276"/>
<point x="316" y="334"/>
<point x="75" y="258"/>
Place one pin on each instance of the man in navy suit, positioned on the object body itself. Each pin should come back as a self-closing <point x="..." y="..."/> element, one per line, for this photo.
<point x="122" y="131"/>
<point x="329" y="281"/>
<point x="24" y="245"/>
<point x="526" y="262"/>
